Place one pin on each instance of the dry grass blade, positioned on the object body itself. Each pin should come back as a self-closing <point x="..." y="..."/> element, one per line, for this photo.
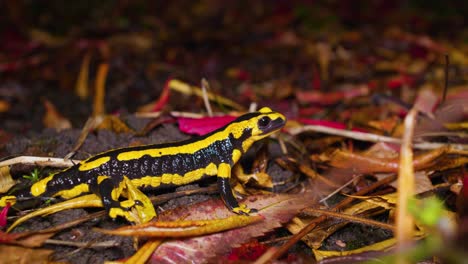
<point x="100" y="86"/>
<point x="404" y="220"/>
<point x="82" y="87"/>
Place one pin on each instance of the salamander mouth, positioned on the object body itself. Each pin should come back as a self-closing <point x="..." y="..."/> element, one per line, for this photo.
<point x="274" y="125"/>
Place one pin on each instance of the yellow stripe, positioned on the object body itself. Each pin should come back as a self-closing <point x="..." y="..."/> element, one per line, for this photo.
<point x="89" y="165"/>
<point x="101" y="178"/>
<point x="176" y="179"/>
<point x="73" y="192"/>
<point x="39" y="187"/>
<point x="236" y="129"/>
<point x="224" y="170"/>
<point x="236" y="154"/>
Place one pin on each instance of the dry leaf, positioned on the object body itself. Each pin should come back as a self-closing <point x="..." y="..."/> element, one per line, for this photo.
<point x="53" y="119"/>
<point x="16" y="254"/>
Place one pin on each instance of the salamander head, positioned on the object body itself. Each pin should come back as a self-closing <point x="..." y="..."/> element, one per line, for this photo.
<point x="257" y="125"/>
<point x="266" y="123"/>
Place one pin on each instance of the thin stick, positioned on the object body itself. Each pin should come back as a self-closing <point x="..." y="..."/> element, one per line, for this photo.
<point x="39" y="161"/>
<point x="205" y="86"/>
<point x="369" y="137"/>
<point x="338" y="189"/>
<point x="351" y="218"/>
<point x="104" y="244"/>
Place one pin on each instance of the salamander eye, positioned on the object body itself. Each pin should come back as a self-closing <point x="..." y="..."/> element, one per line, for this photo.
<point x="264" y="121"/>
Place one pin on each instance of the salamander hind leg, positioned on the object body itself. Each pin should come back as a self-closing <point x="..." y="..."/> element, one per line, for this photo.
<point x="136" y="208"/>
<point x="224" y="174"/>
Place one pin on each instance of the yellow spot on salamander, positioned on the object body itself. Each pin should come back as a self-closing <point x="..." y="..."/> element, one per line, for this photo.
<point x="101" y="178"/>
<point x="89" y="165"/>
<point x="166" y="178"/>
<point x="236" y="154"/>
<point x="40" y="187"/>
<point x="224" y="170"/>
<point x="73" y="192"/>
<point x="176" y="179"/>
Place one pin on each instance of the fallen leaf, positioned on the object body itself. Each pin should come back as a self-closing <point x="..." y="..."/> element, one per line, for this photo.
<point x="183" y="228"/>
<point x="82" y="86"/>
<point x="53" y="119"/>
<point x="17" y="254"/>
<point x="204" y="125"/>
<point x="160" y="102"/>
<point x="276" y="209"/>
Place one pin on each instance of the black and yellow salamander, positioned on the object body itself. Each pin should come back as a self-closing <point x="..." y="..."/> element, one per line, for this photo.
<point x="116" y="176"/>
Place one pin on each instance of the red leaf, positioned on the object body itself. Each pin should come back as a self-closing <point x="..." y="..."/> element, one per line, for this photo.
<point x="277" y="209"/>
<point x="399" y="81"/>
<point x="3" y="215"/>
<point x="249" y="251"/>
<point x="205" y="125"/>
<point x="164" y="97"/>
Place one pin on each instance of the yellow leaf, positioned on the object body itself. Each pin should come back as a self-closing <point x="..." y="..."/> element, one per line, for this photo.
<point x="6" y="181"/>
<point x="82" y="87"/>
<point x="183" y="228"/>
<point x="379" y="246"/>
<point x="90" y="200"/>
<point x="100" y="86"/>
<point x="144" y="253"/>
<point x="457" y="126"/>
<point x="187" y="89"/>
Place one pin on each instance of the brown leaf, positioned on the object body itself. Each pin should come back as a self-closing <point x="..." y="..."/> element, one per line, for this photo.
<point x="16" y="254"/>
<point x="53" y="119"/>
<point x="6" y="181"/>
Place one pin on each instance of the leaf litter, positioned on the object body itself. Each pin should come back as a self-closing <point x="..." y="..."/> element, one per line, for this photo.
<point x="346" y="92"/>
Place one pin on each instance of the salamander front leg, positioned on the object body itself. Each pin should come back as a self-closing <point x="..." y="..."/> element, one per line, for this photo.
<point x="224" y="174"/>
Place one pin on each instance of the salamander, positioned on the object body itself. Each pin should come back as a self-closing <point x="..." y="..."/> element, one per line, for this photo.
<point x="117" y="175"/>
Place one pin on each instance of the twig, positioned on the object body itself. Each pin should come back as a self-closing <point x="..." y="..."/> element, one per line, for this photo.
<point x="105" y="244"/>
<point x="370" y="137"/>
<point x="338" y="189"/>
<point x="205" y="87"/>
<point x="39" y="161"/>
<point x="351" y="218"/>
